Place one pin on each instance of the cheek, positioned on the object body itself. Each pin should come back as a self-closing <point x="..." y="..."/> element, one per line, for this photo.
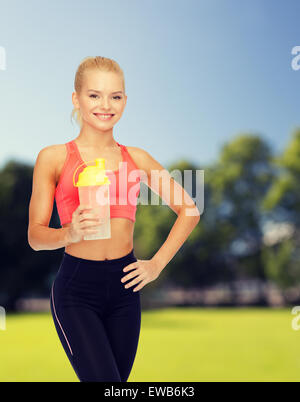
<point x="119" y="108"/>
<point x="85" y="107"/>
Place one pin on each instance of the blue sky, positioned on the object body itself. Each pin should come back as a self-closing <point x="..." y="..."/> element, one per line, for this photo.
<point x="198" y="72"/>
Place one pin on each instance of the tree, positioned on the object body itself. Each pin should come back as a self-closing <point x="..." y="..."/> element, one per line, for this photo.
<point x="283" y="200"/>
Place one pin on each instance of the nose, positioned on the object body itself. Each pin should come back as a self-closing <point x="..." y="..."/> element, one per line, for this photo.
<point x="104" y="103"/>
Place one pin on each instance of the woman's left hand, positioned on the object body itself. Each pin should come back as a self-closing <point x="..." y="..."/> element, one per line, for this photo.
<point x="143" y="271"/>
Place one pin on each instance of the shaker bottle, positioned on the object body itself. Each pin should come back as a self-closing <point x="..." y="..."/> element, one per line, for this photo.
<point x="93" y="189"/>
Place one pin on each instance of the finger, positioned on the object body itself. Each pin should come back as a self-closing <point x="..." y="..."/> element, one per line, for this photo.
<point x="89" y="225"/>
<point x="100" y="219"/>
<point x="140" y="286"/>
<point x="130" y="275"/>
<point x="130" y="266"/>
<point x="96" y="211"/>
<point x="81" y="209"/>
<point x="87" y="216"/>
<point x="93" y="222"/>
<point x="90" y="231"/>
<point x="136" y="280"/>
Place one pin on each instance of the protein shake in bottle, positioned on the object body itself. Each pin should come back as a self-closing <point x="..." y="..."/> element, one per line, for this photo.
<point x="93" y="190"/>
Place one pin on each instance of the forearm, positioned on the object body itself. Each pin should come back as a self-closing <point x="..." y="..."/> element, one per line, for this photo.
<point x="180" y="231"/>
<point x="45" y="238"/>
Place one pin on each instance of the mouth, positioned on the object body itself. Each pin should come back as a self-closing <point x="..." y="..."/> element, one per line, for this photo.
<point x="103" y="116"/>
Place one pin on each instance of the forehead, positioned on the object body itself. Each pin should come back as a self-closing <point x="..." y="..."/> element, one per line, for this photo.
<point x="102" y="80"/>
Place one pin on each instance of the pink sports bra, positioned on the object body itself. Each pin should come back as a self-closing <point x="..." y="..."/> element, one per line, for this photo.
<point x="124" y="186"/>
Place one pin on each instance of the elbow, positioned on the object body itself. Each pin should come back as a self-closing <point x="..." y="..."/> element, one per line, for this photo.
<point x="192" y="212"/>
<point x="34" y="248"/>
<point x="196" y="216"/>
<point x="31" y="242"/>
<point x="197" y="219"/>
<point x="32" y="245"/>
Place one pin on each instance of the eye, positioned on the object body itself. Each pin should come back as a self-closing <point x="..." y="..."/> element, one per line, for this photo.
<point x="115" y="97"/>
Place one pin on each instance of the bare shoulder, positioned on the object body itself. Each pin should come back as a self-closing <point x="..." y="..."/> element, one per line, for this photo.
<point x="55" y="155"/>
<point x="143" y="159"/>
<point x="135" y="151"/>
<point x="138" y="154"/>
<point x="51" y="150"/>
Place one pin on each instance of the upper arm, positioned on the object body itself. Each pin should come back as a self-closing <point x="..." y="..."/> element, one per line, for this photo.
<point x="161" y="182"/>
<point x="43" y="188"/>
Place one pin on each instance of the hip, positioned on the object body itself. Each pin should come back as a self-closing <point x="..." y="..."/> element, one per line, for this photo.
<point x="95" y="283"/>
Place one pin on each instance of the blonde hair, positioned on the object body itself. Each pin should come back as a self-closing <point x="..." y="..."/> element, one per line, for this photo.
<point x="93" y="63"/>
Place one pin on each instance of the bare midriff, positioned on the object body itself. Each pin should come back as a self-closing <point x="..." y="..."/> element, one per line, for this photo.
<point x="119" y="245"/>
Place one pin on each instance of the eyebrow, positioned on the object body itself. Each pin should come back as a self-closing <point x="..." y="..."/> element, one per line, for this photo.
<point x="94" y="90"/>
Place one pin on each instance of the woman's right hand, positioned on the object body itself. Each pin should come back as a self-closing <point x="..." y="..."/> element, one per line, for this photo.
<point x="84" y="221"/>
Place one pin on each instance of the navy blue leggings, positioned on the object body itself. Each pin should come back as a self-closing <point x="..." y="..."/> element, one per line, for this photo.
<point x="96" y="318"/>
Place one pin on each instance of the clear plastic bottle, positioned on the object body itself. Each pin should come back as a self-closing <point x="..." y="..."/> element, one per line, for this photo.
<point x="93" y="190"/>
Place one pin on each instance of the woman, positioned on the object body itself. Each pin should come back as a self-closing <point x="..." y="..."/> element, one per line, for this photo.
<point x="95" y="299"/>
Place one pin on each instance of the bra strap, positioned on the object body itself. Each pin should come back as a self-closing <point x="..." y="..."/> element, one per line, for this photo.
<point x="128" y="156"/>
<point x="71" y="147"/>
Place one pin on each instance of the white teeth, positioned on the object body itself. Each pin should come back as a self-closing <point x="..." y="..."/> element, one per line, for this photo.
<point x="104" y="116"/>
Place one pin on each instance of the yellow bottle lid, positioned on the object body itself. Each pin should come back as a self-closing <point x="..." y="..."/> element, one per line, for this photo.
<point x="93" y="175"/>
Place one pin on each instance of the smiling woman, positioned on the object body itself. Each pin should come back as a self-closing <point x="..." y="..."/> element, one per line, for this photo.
<point x="96" y="311"/>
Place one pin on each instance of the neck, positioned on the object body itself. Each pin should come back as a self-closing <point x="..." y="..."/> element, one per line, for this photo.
<point x="93" y="138"/>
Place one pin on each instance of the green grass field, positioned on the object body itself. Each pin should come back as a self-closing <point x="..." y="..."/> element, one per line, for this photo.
<point x="176" y="344"/>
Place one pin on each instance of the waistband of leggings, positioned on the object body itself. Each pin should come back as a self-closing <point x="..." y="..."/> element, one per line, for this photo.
<point x="126" y="259"/>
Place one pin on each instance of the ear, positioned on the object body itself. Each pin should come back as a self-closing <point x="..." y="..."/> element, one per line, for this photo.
<point x="75" y="100"/>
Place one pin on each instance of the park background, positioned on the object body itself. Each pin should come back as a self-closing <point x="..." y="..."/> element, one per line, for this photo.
<point x="211" y="86"/>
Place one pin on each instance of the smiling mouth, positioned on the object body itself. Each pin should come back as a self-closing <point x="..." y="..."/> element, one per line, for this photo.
<point x="103" y="116"/>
